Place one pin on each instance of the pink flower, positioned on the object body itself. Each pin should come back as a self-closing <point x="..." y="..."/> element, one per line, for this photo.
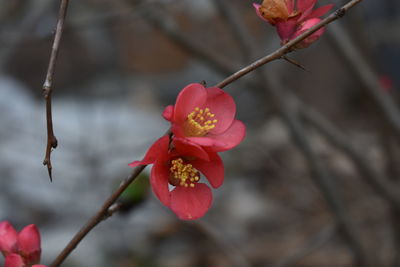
<point x="8" y="238"/>
<point x="15" y="260"/>
<point x="20" y="249"/>
<point x="205" y="119"/>
<point x="179" y="168"/>
<point x="291" y="21"/>
<point x="29" y="244"/>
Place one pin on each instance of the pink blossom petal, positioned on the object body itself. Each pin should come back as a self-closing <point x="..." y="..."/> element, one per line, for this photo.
<point x="155" y="151"/>
<point x="313" y="37"/>
<point x="286" y="29"/>
<point x="192" y="96"/>
<point x="191" y="203"/>
<point x="290" y="6"/>
<point x="168" y="113"/>
<point x="319" y="11"/>
<point x="185" y="147"/>
<point x="257" y="7"/>
<point x="230" y="138"/>
<point x="8" y="238"/>
<point x="207" y="141"/>
<point x="29" y="244"/>
<point x="14" y="260"/>
<point x="224" y="141"/>
<point x="159" y="181"/>
<point x="305" y="5"/>
<point x="213" y="169"/>
<point x="223" y="106"/>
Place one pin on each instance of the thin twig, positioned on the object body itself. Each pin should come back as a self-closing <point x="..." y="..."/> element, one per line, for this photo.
<point x="104" y="212"/>
<point x="101" y="214"/>
<point x="378" y="182"/>
<point x="315" y="242"/>
<point x="322" y="178"/>
<point x="366" y="76"/>
<point x="289" y="46"/>
<point x="231" y="250"/>
<point x="390" y="149"/>
<point x="323" y="125"/>
<point x="48" y="86"/>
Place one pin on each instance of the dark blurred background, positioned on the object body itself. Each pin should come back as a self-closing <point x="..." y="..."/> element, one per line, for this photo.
<point x="121" y="62"/>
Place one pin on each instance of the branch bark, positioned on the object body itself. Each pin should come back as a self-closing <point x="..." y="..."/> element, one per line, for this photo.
<point x="320" y="175"/>
<point x="48" y="86"/>
<point x="104" y="210"/>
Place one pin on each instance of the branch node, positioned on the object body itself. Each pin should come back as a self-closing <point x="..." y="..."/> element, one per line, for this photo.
<point x="46" y="91"/>
<point x="54" y="142"/>
<point x="340" y="12"/>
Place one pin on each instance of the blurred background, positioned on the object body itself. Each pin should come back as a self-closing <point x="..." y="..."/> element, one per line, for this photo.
<point x="315" y="183"/>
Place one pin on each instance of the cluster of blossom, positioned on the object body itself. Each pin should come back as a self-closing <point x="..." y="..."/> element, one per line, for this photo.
<point x="202" y="124"/>
<point x="293" y="19"/>
<point x="20" y="249"/>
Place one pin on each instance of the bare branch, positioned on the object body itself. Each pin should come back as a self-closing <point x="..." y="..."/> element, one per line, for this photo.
<point x="289" y="46"/>
<point x="366" y="76"/>
<point x="105" y="210"/>
<point x="48" y="83"/>
<point x="315" y="242"/>
<point x="380" y="184"/>
<point x="321" y="176"/>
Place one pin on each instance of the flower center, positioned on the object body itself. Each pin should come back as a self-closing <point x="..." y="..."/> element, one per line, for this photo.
<point x="183" y="174"/>
<point x="199" y="122"/>
<point x="273" y="10"/>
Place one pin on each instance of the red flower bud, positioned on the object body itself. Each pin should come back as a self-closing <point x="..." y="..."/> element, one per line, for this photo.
<point x="14" y="260"/>
<point x="29" y="244"/>
<point x="292" y="19"/>
<point x="8" y="238"/>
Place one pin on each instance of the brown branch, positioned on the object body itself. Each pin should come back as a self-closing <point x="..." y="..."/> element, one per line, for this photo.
<point x="316" y="241"/>
<point x="289" y="46"/>
<point x="367" y="77"/>
<point x="104" y="211"/>
<point x="217" y="235"/>
<point x="320" y="175"/>
<point x="377" y="181"/>
<point x="48" y="86"/>
<point x="107" y="210"/>
<point x="380" y="184"/>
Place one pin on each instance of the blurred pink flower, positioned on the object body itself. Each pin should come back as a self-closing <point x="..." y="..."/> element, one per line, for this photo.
<point x="20" y="249"/>
<point x="292" y="19"/>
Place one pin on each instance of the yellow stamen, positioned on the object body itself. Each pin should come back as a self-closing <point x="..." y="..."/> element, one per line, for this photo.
<point x="184" y="174"/>
<point x="199" y="122"/>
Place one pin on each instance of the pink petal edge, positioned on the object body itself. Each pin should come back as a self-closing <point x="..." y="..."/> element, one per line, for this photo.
<point x="8" y="238"/>
<point x="191" y="203"/>
<point x="192" y="96"/>
<point x="159" y="181"/>
<point x="223" y="106"/>
<point x="158" y="148"/>
<point x="213" y="170"/>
